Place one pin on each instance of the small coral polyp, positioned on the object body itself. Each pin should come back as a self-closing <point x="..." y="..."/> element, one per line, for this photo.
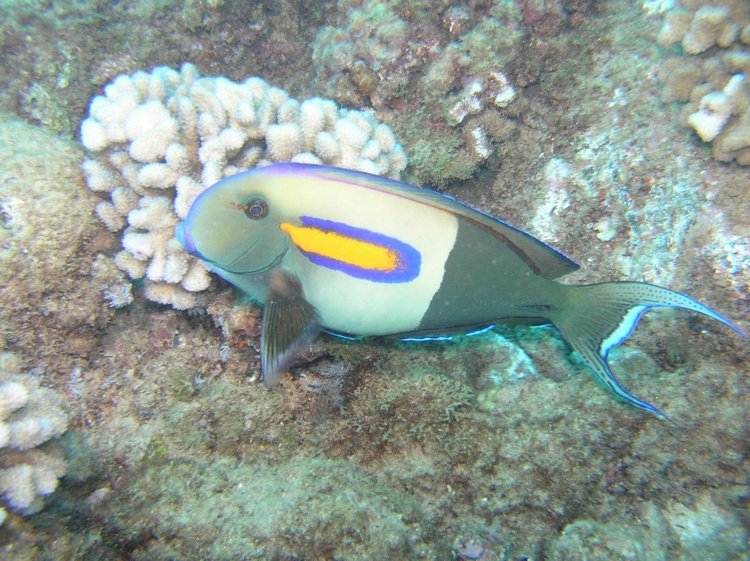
<point x="158" y="140"/>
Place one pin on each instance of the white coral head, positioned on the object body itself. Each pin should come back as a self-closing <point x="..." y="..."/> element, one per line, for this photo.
<point x="715" y="110"/>
<point x="163" y="137"/>
<point x="13" y="396"/>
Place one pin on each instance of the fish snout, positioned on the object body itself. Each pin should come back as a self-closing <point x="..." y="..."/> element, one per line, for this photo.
<point x="183" y="235"/>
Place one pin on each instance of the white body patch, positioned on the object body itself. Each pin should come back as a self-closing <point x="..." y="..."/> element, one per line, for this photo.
<point x="364" y="307"/>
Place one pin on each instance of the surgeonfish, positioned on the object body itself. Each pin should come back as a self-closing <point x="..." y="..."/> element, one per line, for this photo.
<point x="356" y="254"/>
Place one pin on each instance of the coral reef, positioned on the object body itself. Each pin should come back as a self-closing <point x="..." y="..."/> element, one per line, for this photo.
<point x="30" y="416"/>
<point x="160" y="139"/>
<point x="587" y="539"/>
<point x="704" y="531"/>
<point x="305" y="508"/>
<point x="648" y="239"/>
<point x="492" y="447"/>
<point x="50" y="284"/>
<point x="50" y="82"/>
<point x="199" y="463"/>
<point x="712" y="79"/>
<point x="381" y="51"/>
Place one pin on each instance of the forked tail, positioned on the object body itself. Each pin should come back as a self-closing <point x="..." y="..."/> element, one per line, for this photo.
<point x="598" y="317"/>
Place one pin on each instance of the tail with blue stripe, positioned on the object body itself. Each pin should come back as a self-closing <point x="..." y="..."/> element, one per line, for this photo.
<point x="598" y="317"/>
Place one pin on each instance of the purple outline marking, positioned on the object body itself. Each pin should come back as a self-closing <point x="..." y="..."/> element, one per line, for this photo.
<point x="410" y="260"/>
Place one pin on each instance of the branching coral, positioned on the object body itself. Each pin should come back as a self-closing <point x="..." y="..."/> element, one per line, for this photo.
<point x="30" y="416"/>
<point x="712" y="80"/>
<point x="158" y="140"/>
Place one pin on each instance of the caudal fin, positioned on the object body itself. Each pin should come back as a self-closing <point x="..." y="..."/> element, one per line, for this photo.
<point x="599" y="317"/>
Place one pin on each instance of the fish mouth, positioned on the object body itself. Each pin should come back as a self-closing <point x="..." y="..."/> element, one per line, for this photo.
<point x="241" y="255"/>
<point x="186" y="240"/>
<point x="265" y="268"/>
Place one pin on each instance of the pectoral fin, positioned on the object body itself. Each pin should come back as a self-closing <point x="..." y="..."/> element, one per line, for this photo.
<point x="289" y="322"/>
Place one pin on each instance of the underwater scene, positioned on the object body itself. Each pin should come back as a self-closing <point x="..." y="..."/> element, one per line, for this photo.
<point x="360" y="279"/>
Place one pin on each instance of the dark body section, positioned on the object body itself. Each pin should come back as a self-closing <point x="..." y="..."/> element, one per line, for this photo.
<point x="487" y="281"/>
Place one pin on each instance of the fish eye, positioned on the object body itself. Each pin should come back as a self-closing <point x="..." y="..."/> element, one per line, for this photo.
<point x="256" y="209"/>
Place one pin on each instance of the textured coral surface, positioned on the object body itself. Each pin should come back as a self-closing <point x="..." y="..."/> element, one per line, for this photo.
<point x="31" y="419"/>
<point x="494" y="447"/>
<point x="50" y="303"/>
<point x="158" y="140"/>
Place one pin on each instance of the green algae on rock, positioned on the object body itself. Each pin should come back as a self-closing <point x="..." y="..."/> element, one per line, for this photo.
<point x="308" y="508"/>
<point x="50" y="285"/>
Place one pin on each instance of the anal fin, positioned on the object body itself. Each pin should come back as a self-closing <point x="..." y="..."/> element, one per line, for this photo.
<point x="289" y="323"/>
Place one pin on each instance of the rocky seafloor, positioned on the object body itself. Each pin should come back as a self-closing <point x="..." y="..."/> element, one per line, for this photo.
<point x="496" y="447"/>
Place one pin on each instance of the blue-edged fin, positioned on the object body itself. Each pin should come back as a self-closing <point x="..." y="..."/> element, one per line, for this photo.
<point x="599" y="317"/>
<point x="289" y="323"/>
